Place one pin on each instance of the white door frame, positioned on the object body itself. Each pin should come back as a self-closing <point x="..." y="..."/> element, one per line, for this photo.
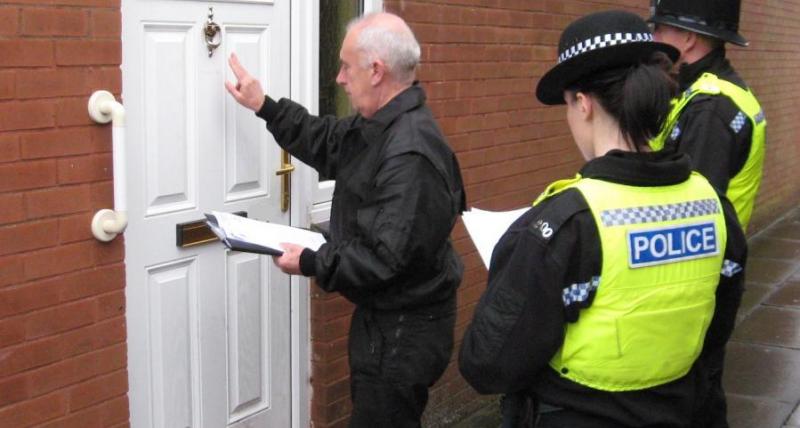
<point x="304" y="68"/>
<point x="304" y="78"/>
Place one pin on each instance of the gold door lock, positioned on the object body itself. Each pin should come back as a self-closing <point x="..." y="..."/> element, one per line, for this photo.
<point x="285" y="172"/>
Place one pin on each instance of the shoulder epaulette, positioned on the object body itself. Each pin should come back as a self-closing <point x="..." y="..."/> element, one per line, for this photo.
<point x="556" y="212"/>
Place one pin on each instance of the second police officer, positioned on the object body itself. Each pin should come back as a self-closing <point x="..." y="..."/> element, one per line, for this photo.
<point x="717" y="120"/>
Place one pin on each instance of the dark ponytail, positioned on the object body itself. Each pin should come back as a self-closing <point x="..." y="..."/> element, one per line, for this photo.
<point x="638" y="96"/>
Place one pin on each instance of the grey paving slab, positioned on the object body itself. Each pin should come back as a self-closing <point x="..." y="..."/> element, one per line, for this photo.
<point x="794" y="420"/>
<point x="789" y="228"/>
<point x="770" y="271"/>
<point x="768" y="372"/>
<point x="793" y="215"/>
<point x="752" y="412"/>
<point x="487" y="417"/>
<point x="765" y="246"/>
<point x="771" y="325"/>
<point x="787" y="295"/>
<point x="754" y="294"/>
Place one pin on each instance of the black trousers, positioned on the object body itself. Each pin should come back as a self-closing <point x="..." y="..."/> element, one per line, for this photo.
<point x="713" y="412"/>
<point x="570" y="419"/>
<point x="395" y="356"/>
<point x="522" y="411"/>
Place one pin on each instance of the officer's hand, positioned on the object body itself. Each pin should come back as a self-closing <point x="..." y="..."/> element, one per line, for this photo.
<point x="247" y="90"/>
<point x="289" y="261"/>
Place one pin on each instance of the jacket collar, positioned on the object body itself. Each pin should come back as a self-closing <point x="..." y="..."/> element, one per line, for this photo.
<point x="715" y="62"/>
<point x="409" y="99"/>
<point x="649" y="169"/>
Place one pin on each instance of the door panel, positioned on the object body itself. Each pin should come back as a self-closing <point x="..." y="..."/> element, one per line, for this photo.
<point x="245" y="176"/>
<point x="169" y="300"/>
<point x="208" y="329"/>
<point x="247" y="345"/>
<point x="167" y="83"/>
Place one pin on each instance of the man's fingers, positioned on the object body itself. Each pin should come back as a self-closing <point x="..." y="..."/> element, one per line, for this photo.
<point x="233" y="90"/>
<point x="236" y="67"/>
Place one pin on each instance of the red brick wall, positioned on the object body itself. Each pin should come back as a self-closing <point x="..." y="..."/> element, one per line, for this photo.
<point x="62" y="305"/>
<point x="770" y="65"/>
<point x="330" y="374"/>
<point x="481" y="62"/>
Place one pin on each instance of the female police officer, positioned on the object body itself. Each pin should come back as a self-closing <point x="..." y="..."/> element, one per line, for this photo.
<point x="602" y="297"/>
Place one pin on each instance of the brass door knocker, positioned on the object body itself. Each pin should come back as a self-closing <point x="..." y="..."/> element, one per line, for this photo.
<point x="212" y="33"/>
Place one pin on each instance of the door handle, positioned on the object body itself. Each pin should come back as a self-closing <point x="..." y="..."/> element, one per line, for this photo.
<point x="285" y="173"/>
<point x="287" y="169"/>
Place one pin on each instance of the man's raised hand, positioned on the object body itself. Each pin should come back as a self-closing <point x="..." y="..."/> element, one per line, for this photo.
<point x="247" y="91"/>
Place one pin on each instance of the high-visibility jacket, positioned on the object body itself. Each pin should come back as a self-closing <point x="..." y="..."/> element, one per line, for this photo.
<point x="662" y="251"/>
<point x="743" y="186"/>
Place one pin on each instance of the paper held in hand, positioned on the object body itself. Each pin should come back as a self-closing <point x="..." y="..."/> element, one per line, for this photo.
<point x="486" y="227"/>
<point x="254" y="236"/>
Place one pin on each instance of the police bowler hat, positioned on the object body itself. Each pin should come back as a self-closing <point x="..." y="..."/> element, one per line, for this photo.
<point x="716" y="18"/>
<point x="595" y="43"/>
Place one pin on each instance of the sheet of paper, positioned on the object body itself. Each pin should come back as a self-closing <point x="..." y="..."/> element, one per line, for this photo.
<point x="266" y="234"/>
<point x="486" y="227"/>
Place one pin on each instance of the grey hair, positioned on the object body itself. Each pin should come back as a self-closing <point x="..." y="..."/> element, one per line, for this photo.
<point x="395" y="45"/>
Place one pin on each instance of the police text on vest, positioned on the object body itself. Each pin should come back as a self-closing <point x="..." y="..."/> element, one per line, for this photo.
<point x="671" y="244"/>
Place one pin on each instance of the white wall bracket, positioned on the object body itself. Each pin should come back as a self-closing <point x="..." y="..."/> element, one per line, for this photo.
<point x="103" y="108"/>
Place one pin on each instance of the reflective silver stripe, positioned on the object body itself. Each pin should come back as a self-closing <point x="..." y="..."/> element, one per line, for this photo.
<point x="730" y="268"/>
<point x="655" y="213"/>
<point x="676" y="132"/>
<point x="599" y="42"/>
<point x="579" y="292"/>
<point x="738" y="122"/>
<point x="759" y="117"/>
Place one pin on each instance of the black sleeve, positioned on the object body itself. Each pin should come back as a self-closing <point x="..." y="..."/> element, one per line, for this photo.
<point x="519" y="322"/>
<point x="717" y="151"/>
<point x="731" y="284"/>
<point x="403" y="226"/>
<point x="314" y="140"/>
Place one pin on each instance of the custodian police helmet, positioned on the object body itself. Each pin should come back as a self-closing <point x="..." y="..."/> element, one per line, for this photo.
<point x="715" y="18"/>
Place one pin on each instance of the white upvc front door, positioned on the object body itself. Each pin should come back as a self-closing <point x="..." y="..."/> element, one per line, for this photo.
<point x="209" y="331"/>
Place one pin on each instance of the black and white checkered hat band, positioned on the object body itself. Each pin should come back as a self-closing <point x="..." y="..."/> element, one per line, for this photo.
<point x="654" y="213"/>
<point x="599" y="42"/>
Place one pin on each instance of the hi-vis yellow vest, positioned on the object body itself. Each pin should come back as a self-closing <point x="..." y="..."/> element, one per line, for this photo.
<point x="662" y="251"/>
<point x="743" y="186"/>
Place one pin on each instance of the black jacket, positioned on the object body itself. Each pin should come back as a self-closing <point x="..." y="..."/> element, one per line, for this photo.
<point x="519" y="322"/>
<point x="717" y="151"/>
<point x="398" y="194"/>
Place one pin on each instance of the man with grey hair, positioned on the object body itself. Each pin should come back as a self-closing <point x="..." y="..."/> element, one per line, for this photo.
<point x="398" y="194"/>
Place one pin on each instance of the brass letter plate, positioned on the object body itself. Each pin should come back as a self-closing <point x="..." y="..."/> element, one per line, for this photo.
<point x="196" y="232"/>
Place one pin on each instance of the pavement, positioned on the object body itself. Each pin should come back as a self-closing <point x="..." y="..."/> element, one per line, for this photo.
<point x="762" y="371"/>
